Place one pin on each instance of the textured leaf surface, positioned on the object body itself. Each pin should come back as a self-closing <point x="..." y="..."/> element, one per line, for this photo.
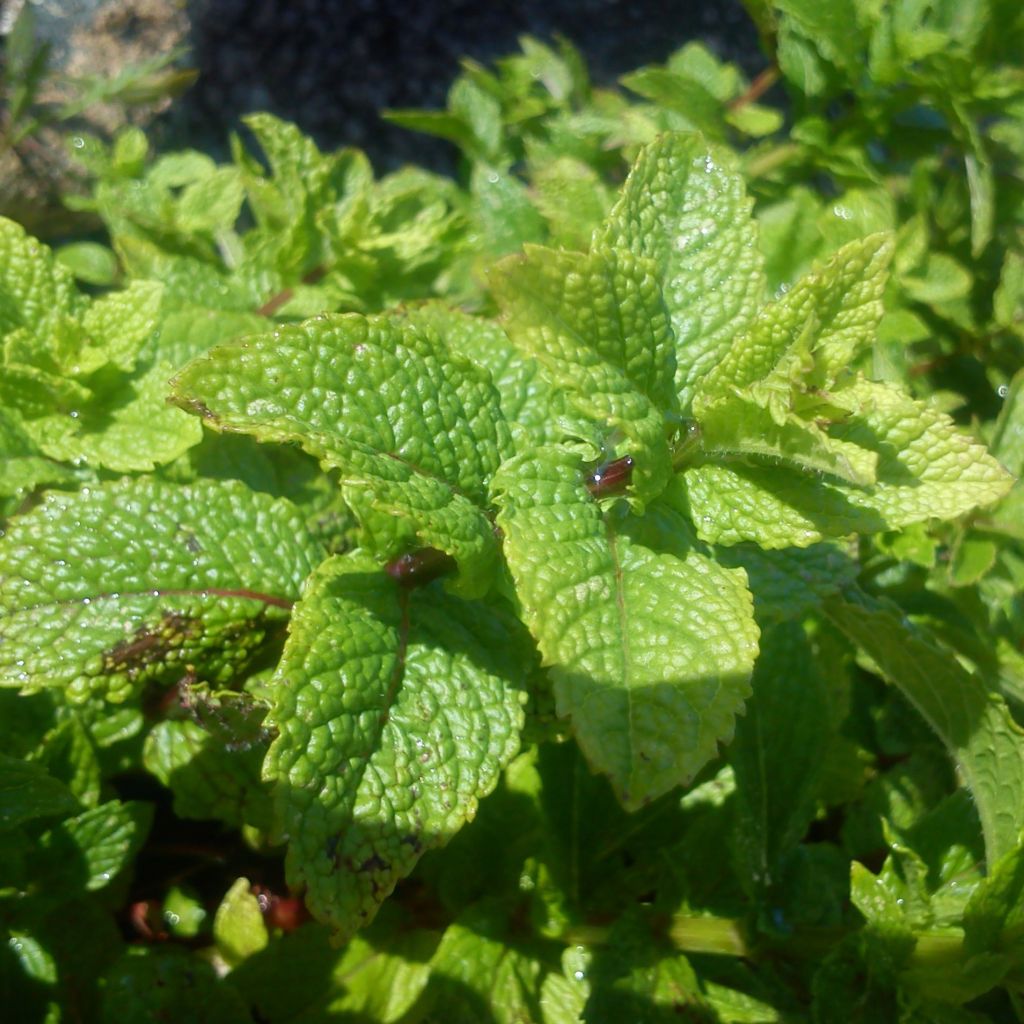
<point x="475" y="976"/>
<point x="88" y="851"/>
<point x="684" y="206"/>
<point x="739" y="426"/>
<point x="22" y="465"/>
<point x="381" y="399"/>
<point x="138" y="580"/>
<point x="135" y="432"/>
<point x="210" y="775"/>
<point x="651" y="654"/>
<point x="27" y="791"/>
<point x="774" y="507"/>
<point x="598" y="326"/>
<point x="922" y="468"/>
<point x="396" y="710"/>
<point x="831" y="313"/>
<point x="34" y="289"/>
<point x="120" y="322"/>
<point x="926" y="467"/>
<point x="777" y="754"/>
<point x="526" y="397"/>
<point x="790" y="583"/>
<point x="973" y="723"/>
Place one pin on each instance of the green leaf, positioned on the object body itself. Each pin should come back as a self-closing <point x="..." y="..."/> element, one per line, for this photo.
<point x="35" y="291"/>
<point x="941" y="279"/>
<point x="994" y="915"/>
<point x="381" y="981"/>
<point x="777" y="754"/>
<point x="212" y="772"/>
<point x="684" y="206"/>
<point x="117" y="585"/>
<point x="636" y="979"/>
<point x="926" y="467"/>
<point x="503" y="211"/>
<point x="28" y="791"/>
<point x="836" y="31"/>
<point x="597" y="325"/>
<point x="135" y="432"/>
<point x="774" y="507"/>
<point x="71" y="755"/>
<point x="700" y="111"/>
<point x="831" y="314"/>
<point x="300" y="976"/>
<point x="22" y="466"/>
<point x="1008" y="439"/>
<point x="573" y="199"/>
<point x="415" y="431"/>
<point x="789" y="237"/>
<point x="475" y="977"/>
<point x="981" y="185"/>
<point x="212" y="203"/>
<point x="183" y="913"/>
<point x="739" y="426"/>
<point x="527" y="399"/>
<point x="238" y="928"/>
<point x="120" y="322"/>
<point x="973" y="723"/>
<point x="395" y="709"/>
<point x="151" y="983"/>
<point x="87" y="852"/>
<point x="651" y="654"/>
<point x="789" y="584"/>
<point x="1008" y="300"/>
<point x="89" y="262"/>
<point x="193" y="331"/>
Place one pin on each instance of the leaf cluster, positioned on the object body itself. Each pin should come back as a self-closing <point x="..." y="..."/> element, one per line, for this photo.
<point x="589" y="589"/>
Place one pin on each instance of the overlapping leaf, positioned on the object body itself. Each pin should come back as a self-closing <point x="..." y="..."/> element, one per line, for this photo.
<point x="685" y="206"/>
<point x="396" y="709"/>
<point x="651" y="654"/>
<point x="415" y="431"/>
<point x="815" y="330"/>
<point x="138" y="580"/>
<point x="973" y="723"/>
<point x="598" y="326"/>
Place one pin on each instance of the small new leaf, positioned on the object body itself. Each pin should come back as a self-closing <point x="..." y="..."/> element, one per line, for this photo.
<point x="685" y="207"/>
<point x="597" y="325"/>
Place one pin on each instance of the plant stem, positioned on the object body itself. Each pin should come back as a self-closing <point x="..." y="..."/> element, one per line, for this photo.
<point x="721" y="935"/>
<point x="724" y="936"/>
<point x="777" y="156"/>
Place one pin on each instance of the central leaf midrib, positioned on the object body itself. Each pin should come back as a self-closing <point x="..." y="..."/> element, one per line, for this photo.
<point x="242" y="592"/>
<point x="620" y="606"/>
<point x="397" y="674"/>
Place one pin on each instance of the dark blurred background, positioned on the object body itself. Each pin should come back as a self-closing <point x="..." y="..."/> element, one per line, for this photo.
<point x="331" y="65"/>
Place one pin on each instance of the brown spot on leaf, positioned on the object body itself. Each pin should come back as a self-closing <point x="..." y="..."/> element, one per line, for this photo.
<point x="151" y="645"/>
<point x="374" y="863"/>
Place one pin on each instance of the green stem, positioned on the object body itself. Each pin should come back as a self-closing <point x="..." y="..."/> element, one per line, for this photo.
<point x="724" y="936"/>
<point x="770" y="160"/>
<point x="717" y="935"/>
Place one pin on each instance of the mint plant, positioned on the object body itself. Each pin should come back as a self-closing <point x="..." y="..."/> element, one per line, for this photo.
<point x="595" y="617"/>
